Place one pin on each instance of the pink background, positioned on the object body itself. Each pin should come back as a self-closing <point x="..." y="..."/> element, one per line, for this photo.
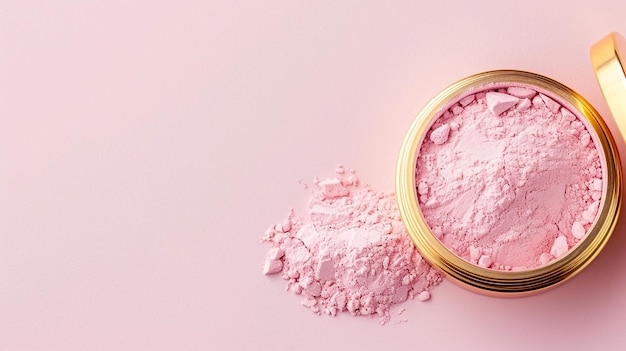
<point x="145" y="146"/>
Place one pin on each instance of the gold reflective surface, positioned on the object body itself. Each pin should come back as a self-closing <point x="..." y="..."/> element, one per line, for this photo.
<point x="607" y="57"/>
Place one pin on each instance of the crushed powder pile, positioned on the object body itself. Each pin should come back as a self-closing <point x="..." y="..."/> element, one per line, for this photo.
<point x="351" y="251"/>
<point x="509" y="179"/>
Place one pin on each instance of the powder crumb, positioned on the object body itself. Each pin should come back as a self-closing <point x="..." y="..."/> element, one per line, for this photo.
<point x="325" y="269"/>
<point x="585" y="138"/>
<point x="440" y="135"/>
<point x="545" y="258"/>
<point x="437" y="231"/>
<point x="423" y="296"/>
<point x="596" y="195"/>
<point x="474" y="253"/>
<point x="596" y="184"/>
<point x="350" y="253"/>
<point x="538" y="102"/>
<point x="333" y="188"/>
<point x="467" y="100"/>
<point x="275" y="253"/>
<point x="521" y="92"/>
<point x="551" y="104"/>
<point x="286" y="226"/>
<point x="499" y="102"/>
<point x="485" y="261"/>
<point x="593" y="208"/>
<point x="456" y="110"/>
<point x="422" y="188"/>
<point x="567" y="114"/>
<point x="578" y="230"/>
<point x="523" y="105"/>
<point x="272" y="266"/>
<point x="559" y="248"/>
<point x="588" y="216"/>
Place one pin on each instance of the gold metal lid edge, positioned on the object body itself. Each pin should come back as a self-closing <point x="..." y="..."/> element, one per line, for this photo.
<point x="607" y="58"/>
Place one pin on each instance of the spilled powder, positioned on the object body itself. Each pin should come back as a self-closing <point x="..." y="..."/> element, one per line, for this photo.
<point x="349" y="253"/>
<point x="509" y="179"/>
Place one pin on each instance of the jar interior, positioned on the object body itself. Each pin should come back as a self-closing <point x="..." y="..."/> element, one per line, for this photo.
<point x="510" y="176"/>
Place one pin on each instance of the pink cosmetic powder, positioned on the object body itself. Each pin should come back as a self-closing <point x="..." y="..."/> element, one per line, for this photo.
<point x="350" y="252"/>
<point x="509" y="179"/>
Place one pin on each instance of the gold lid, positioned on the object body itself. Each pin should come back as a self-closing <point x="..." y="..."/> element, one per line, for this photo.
<point x="608" y="57"/>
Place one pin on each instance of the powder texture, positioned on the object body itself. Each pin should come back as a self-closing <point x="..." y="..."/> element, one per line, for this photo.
<point x="509" y="179"/>
<point x="350" y="253"/>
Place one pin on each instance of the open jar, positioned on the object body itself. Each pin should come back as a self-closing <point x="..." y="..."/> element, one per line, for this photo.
<point x="510" y="182"/>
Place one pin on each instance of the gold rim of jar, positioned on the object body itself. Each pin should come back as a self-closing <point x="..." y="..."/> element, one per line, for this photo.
<point x="507" y="283"/>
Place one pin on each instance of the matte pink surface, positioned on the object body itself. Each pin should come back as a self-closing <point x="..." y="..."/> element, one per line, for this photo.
<point x="145" y="147"/>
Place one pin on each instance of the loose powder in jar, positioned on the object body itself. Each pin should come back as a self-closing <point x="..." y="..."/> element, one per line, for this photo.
<point x="351" y="252"/>
<point x="509" y="178"/>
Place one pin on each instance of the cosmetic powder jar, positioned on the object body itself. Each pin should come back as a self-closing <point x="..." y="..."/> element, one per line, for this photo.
<point x="503" y="94"/>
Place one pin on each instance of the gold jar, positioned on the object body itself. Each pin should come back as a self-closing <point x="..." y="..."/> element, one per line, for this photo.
<point x="607" y="56"/>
